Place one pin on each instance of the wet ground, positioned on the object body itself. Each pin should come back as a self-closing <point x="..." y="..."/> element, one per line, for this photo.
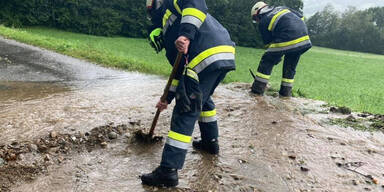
<point x="66" y="125"/>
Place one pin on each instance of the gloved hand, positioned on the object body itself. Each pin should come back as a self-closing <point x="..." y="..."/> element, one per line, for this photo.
<point x="156" y="39"/>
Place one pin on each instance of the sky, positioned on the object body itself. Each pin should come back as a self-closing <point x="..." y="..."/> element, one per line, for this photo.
<point x="312" y="6"/>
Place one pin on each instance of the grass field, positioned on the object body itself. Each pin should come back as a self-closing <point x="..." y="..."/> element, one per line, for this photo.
<point x="341" y="78"/>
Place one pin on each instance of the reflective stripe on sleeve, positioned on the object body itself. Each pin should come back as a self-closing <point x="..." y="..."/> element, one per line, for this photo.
<point x="192" y="20"/>
<point x="194" y="12"/>
<point x="174" y="85"/>
<point x="168" y="20"/>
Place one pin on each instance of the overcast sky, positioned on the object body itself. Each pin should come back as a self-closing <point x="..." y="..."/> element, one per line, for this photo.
<point x="312" y="6"/>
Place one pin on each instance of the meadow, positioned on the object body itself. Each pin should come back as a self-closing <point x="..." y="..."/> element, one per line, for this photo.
<point x="341" y="78"/>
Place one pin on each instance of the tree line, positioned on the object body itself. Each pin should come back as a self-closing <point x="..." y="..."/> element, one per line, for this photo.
<point x="123" y="17"/>
<point x="352" y="30"/>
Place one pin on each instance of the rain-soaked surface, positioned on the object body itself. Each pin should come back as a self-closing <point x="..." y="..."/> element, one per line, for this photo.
<point x="267" y="144"/>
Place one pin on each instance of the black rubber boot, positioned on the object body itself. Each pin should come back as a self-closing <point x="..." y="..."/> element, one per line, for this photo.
<point x="211" y="147"/>
<point x="285" y="91"/>
<point x="161" y="177"/>
<point x="258" y="87"/>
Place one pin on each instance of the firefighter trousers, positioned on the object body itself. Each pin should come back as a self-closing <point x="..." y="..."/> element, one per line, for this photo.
<point x="270" y="59"/>
<point x="182" y="124"/>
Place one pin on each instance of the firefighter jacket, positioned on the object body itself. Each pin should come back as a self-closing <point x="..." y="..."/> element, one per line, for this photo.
<point x="210" y="46"/>
<point x="283" y="30"/>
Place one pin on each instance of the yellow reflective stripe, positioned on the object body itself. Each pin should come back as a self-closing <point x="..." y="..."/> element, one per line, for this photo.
<point x="166" y="16"/>
<point x="263" y="75"/>
<point x="192" y="74"/>
<point x="275" y="17"/>
<point x="287" y="80"/>
<point x="179" y="137"/>
<point x="194" y="12"/>
<point x="276" y="45"/>
<point x="176" y="6"/>
<point x="211" y="51"/>
<point x="208" y="113"/>
<point x="175" y="82"/>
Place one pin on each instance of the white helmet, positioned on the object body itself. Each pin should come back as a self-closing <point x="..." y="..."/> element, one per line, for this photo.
<point x="257" y="7"/>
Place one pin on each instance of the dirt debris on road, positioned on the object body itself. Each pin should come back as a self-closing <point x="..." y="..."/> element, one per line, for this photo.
<point x="24" y="161"/>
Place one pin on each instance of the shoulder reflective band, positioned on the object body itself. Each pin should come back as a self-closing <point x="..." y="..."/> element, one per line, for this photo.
<point x="209" y="56"/>
<point x="168" y="20"/>
<point x="193" y="16"/>
<point x="174" y="85"/>
<point x="289" y="45"/>
<point x="275" y="19"/>
<point x="208" y="116"/>
<point x="176" y="6"/>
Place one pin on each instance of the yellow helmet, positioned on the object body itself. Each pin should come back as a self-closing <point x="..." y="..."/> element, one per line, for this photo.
<point x="257" y="7"/>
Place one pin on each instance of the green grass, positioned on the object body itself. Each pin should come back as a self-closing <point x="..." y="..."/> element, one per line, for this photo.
<point x="342" y="78"/>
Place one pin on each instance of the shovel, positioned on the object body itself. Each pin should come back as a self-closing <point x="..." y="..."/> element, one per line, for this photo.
<point x="148" y="138"/>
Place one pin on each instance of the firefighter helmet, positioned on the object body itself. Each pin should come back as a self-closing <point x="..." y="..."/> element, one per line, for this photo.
<point x="256" y="9"/>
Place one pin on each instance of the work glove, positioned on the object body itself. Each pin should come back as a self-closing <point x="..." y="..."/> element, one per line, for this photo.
<point x="188" y="93"/>
<point x="156" y="39"/>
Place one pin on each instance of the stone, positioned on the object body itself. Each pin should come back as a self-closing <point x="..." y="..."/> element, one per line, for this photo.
<point x="112" y="135"/>
<point x="53" y="134"/>
<point x="2" y="162"/>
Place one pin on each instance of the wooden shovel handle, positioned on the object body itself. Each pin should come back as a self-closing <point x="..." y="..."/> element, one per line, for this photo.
<point x="166" y="90"/>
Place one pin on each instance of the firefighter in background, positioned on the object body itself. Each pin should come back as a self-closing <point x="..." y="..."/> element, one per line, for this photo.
<point x="285" y="34"/>
<point x="185" y="26"/>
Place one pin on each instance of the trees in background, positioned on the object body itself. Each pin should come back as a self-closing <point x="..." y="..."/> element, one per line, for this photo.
<point x="352" y="30"/>
<point x="124" y="17"/>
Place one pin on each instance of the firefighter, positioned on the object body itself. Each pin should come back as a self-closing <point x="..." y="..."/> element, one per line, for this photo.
<point x="209" y="53"/>
<point x="285" y="34"/>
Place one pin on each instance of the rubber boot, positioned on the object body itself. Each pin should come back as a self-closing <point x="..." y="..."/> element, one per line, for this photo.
<point x="211" y="147"/>
<point x="258" y="87"/>
<point x="285" y="91"/>
<point x="161" y="177"/>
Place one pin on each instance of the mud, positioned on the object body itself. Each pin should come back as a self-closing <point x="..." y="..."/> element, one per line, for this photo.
<point x="62" y="140"/>
<point x="24" y="161"/>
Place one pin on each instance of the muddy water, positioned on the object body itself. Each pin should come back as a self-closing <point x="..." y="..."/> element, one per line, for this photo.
<point x="267" y="144"/>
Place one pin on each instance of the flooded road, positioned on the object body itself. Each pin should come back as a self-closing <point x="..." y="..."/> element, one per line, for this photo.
<point x="267" y="144"/>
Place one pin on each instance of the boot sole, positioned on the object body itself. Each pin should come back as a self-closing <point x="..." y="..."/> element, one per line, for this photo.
<point x="165" y="184"/>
